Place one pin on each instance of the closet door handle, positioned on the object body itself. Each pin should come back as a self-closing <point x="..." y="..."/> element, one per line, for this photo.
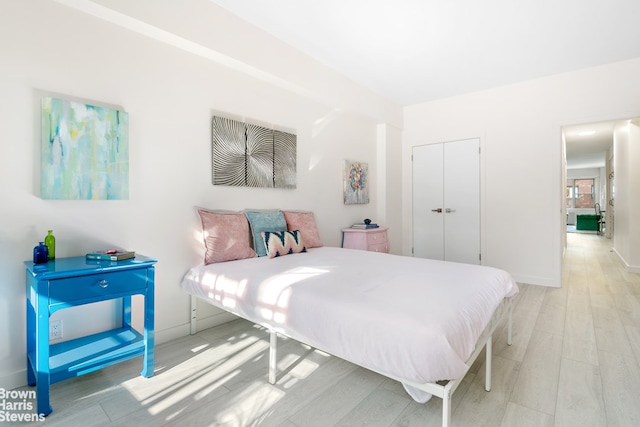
<point x="449" y="210"/>
<point x="439" y="210"/>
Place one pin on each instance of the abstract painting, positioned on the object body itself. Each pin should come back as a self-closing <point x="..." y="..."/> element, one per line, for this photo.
<point x="84" y="151"/>
<point x="356" y="185"/>
<point x="247" y="155"/>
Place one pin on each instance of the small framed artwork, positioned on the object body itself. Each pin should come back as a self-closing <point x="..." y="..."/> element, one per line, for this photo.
<point x="356" y="182"/>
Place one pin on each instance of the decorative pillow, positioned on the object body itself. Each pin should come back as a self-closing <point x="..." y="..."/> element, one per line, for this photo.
<point x="264" y="221"/>
<point x="306" y="223"/>
<point x="279" y="243"/>
<point x="226" y="236"/>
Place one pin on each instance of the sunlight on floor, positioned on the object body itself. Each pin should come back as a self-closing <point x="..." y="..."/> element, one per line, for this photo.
<point x="217" y="366"/>
<point x="212" y="376"/>
<point x="251" y="405"/>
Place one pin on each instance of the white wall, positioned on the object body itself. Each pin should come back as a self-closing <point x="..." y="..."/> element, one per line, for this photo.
<point x="389" y="174"/>
<point x="520" y="130"/>
<point x="627" y="188"/>
<point x="170" y="86"/>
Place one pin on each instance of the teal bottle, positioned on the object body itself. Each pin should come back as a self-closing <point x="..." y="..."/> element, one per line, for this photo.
<point x="50" y="242"/>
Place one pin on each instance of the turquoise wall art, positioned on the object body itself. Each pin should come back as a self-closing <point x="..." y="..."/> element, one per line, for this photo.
<point x="84" y="151"/>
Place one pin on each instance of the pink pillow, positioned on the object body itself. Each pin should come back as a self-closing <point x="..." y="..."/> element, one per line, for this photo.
<point x="306" y="223"/>
<point x="226" y="236"/>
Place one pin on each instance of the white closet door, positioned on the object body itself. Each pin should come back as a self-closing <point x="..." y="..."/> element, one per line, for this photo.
<point x="428" y="223"/>
<point x="462" y="201"/>
<point x="446" y="201"/>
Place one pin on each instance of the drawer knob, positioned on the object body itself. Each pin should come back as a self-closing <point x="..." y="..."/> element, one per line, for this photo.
<point x="103" y="283"/>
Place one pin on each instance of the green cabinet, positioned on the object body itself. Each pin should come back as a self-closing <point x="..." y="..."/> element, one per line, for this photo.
<point x="587" y="222"/>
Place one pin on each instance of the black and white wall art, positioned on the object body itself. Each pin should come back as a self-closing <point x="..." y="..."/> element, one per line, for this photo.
<point x="248" y="155"/>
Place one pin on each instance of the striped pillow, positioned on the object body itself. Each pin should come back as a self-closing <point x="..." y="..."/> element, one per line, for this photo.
<point x="278" y="243"/>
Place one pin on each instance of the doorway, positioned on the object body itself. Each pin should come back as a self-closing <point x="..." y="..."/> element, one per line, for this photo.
<point x="618" y="180"/>
<point x="587" y="175"/>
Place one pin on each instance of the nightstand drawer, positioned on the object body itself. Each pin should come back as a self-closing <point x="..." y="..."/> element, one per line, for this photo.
<point x="383" y="247"/>
<point x="376" y="238"/>
<point x="97" y="285"/>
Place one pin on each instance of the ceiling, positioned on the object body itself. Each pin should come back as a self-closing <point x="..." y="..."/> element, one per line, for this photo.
<point x="413" y="51"/>
<point x="587" y="145"/>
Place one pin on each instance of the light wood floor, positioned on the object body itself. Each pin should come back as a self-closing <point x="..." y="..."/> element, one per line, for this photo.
<point x="574" y="362"/>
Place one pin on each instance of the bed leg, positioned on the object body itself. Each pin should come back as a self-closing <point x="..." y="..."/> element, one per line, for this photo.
<point x="509" y="328"/>
<point x="273" y="340"/>
<point x="446" y="409"/>
<point x="194" y="326"/>
<point x="489" y="360"/>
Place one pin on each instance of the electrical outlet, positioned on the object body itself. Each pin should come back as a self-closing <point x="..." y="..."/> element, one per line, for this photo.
<point x="55" y="330"/>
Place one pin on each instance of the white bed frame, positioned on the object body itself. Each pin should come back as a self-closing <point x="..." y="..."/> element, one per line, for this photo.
<point x="445" y="392"/>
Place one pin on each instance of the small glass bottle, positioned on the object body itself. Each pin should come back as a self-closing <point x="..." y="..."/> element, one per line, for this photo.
<point x="50" y="242"/>
<point x="40" y="254"/>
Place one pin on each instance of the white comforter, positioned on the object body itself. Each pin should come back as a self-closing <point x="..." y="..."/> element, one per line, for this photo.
<point x="411" y="318"/>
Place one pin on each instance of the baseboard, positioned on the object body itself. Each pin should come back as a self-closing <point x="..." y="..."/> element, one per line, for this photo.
<point x="180" y="331"/>
<point x="539" y="281"/>
<point x="171" y="334"/>
<point x="215" y="320"/>
<point x="14" y="380"/>
<point x="627" y="266"/>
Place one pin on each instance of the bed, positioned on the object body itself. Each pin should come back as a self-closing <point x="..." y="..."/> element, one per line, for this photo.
<point x="421" y="322"/>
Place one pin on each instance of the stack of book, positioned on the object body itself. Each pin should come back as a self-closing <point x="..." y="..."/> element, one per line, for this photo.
<point x="363" y="226"/>
<point x="111" y="255"/>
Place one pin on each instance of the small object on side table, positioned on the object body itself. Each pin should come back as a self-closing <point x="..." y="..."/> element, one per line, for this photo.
<point x="40" y="254"/>
<point x="111" y="255"/>
<point x="50" y="243"/>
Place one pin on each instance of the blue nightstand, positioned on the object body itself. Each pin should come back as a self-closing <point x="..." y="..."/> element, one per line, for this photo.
<point x="69" y="282"/>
